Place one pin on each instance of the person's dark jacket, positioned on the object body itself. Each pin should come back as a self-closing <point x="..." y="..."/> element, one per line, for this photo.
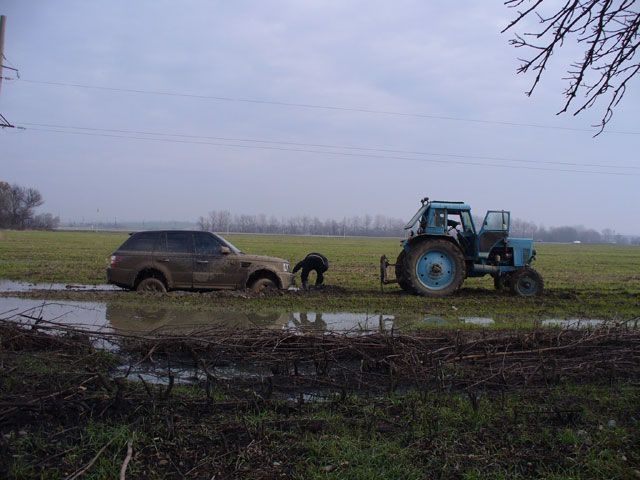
<point x="313" y="261"/>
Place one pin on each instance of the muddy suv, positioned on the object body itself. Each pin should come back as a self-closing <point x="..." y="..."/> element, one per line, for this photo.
<point x="162" y="260"/>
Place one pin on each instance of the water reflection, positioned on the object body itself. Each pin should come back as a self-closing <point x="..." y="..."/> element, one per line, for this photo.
<point x="9" y="286"/>
<point x="339" y="322"/>
<point x="480" y="321"/>
<point x="123" y="318"/>
<point x="573" y="323"/>
<point x="87" y="315"/>
<point x="146" y="319"/>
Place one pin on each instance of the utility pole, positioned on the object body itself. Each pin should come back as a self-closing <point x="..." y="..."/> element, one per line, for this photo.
<point x="3" y="21"/>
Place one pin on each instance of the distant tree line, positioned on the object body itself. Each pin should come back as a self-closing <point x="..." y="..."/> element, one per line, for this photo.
<point x="376" y="226"/>
<point x="223" y="221"/>
<point x="17" y="209"/>
<point x="568" y="234"/>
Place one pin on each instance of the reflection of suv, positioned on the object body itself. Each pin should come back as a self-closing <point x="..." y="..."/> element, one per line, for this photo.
<point x="192" y="260"/>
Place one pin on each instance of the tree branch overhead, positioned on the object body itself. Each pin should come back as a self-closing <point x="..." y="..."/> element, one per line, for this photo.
<point x="609" y="31"/>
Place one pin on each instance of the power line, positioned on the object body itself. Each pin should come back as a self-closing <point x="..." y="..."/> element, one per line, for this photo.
<point x="339" y="147"/>
<point x="322" y="107"/>
<point x="329" y="152"/>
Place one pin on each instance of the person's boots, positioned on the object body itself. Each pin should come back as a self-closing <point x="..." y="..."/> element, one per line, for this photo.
<point x="305" y="286"/>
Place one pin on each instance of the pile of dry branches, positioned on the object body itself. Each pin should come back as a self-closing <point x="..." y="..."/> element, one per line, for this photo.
<point x="285" y="364"/>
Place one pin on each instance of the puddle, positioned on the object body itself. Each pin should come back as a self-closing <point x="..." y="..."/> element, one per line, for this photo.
<point x="85" y="315"/>
<point x="9" y="286"/>
<point x="118" y="318"/>
<point x="339" y="322"/>
<point x="434" y="321"/>
<point x="480" y="321"/>
<point x="114" y="318"/>
<point x="574" y="323"/>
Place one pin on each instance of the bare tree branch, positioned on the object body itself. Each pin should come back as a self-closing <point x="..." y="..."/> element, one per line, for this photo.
<point x="609" y="30"/>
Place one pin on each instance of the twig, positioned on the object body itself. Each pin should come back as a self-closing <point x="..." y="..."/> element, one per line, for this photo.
<point x="127" y="459"/>
<point x="83" y="470"/>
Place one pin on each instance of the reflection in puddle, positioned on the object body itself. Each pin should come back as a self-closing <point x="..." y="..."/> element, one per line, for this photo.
<point x="339" y="322"/>
<point x="119" y="318"/>
<point x="434" y="321"/>
<point x="573" y="323"/>
<point x="9" y="286"/>
<point x="480" y="321"/>
<point x="88" y="315"/>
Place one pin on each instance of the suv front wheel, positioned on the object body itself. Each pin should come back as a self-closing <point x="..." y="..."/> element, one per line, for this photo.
<point x="263" y="284"/>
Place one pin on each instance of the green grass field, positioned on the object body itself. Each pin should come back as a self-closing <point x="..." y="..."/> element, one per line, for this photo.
<point x="67" y="412"/>
<point x="590" y="281"/>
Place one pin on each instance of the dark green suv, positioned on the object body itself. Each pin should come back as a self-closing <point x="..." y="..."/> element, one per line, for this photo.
<point x="162" y="260"/>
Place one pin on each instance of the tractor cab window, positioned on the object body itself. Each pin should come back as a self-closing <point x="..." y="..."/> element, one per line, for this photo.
<point x="467" y="223"/>
<point x="440" y="218"/>
<point x="496" y="221"/>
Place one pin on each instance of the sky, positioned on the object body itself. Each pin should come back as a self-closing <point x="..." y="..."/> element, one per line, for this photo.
<point x="164" y="110"/>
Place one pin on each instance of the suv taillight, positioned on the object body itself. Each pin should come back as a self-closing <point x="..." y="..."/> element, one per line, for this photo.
<point x="114" y="260"/>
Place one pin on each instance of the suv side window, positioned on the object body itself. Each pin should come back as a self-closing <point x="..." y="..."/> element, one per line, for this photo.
<point x="142" y="242"/>
<point x="206" y="244"/>
<point x="179" y="242"/>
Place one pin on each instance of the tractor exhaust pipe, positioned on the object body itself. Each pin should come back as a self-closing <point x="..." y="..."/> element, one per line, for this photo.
<point x="478" y="267"/>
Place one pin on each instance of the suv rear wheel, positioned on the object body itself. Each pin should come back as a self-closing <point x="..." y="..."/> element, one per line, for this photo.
<point x="151" y="284"/>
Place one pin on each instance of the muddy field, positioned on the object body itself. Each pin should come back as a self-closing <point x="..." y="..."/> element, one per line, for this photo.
<point x="276" y="404"/>
<point x="341" y="382"/>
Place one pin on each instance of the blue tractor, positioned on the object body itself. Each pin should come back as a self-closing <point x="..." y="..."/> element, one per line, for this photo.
<point x="443" y="248"/>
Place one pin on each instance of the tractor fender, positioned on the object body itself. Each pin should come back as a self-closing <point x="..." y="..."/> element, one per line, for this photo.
<point x="418" y="239"/>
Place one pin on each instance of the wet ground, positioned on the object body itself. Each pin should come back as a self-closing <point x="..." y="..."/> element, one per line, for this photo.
<point x="106" y="316"/>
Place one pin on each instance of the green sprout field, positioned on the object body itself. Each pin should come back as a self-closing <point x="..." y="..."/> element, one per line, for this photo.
<point x="510" y="401"/>
<point x="585" y="281"/>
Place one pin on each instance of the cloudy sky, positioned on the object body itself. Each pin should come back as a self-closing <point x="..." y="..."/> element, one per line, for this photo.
<point x="165" y="110"/>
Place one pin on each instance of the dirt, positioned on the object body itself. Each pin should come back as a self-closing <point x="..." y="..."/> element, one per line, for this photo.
<point x="70" y="385"/>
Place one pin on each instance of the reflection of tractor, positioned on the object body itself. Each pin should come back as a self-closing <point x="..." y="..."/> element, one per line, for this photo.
<point x="445" y="249"/>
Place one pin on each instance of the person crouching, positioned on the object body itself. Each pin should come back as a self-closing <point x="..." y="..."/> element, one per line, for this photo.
<point x="312" y="262"/>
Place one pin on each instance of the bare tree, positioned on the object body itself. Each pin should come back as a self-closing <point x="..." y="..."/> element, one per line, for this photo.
<point x="608" y="29"/>
<point x="17" y="205"/>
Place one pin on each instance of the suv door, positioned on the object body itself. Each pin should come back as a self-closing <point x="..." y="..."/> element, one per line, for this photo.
<point x="175" y="256"/>
<point x="213" y="266"/>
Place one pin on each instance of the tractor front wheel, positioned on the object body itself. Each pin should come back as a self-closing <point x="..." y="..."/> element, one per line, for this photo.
<point x="434" y="268"/>
<point x="526" y="282"/>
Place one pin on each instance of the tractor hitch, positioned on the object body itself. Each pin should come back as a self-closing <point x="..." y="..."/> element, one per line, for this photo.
<point x="384" y="275"/>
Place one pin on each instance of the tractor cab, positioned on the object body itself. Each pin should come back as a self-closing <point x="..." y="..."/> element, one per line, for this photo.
<point x="444" y="218"/>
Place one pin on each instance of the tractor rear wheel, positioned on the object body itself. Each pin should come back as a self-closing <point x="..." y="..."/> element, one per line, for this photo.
<point x="526" y="282"/>
<point x="401" y="270"/>
<point x="434" y="268"/>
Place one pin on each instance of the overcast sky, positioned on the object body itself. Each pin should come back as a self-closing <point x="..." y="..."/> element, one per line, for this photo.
<point x="166" y="110"/>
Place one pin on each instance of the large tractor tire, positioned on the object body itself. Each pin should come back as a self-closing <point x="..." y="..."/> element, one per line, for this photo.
<point x="526" y="282"/>
<point x="401" y="271"/>
<point x="435" y="268"/>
